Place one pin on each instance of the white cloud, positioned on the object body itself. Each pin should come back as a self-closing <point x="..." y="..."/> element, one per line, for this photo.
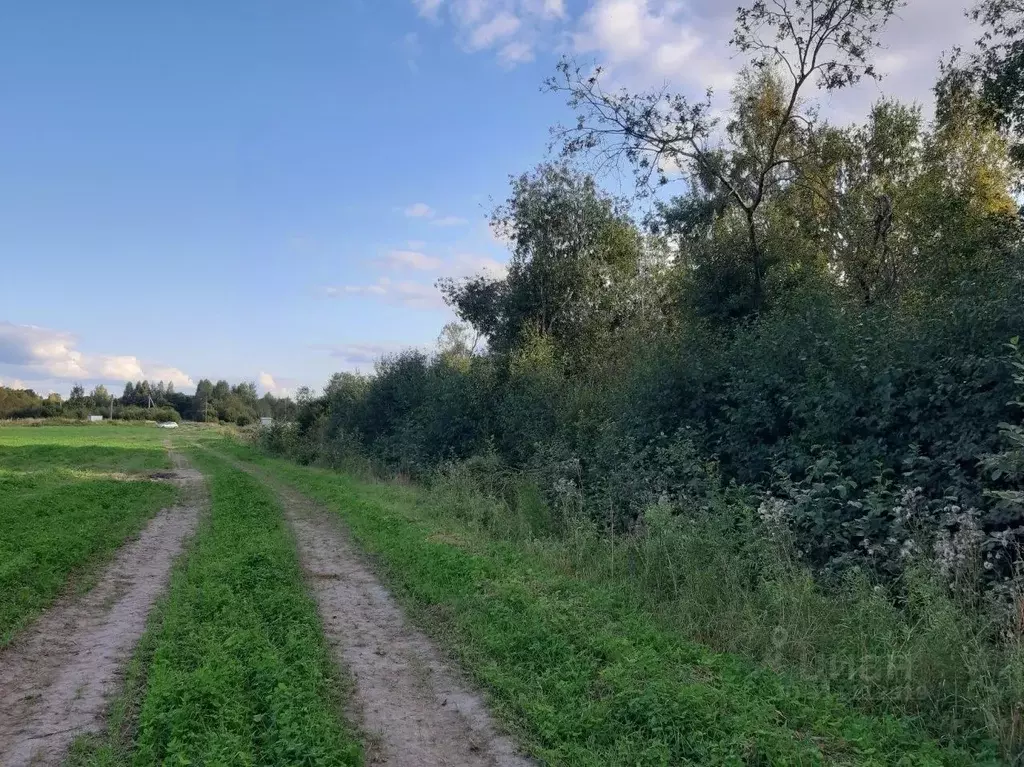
<point x="510" y="28"/>
<point x="414" y="295"/>
<point x="644" y="43"/>
<point x="419" y="210"/>
<point x="554" y="8"/>
<point x="470" y="264"/>
<point x="13" y="383"/>
<point x="179" y="378"/>
<point x="516" y="52"/>
<point x="449" y="221"/>
<point x="41" y="353"/>
<point x="410" y="259"/>
<point x="359" y="355"/>
<point x="427" y="8"/>
<point x="500" y="27"/>
<point x="684" y="43"/>
<point x="420" y="295"/>
<point x="271" y="385"/>
<point x="124" y="368"/>
<point x="422" y="210"/>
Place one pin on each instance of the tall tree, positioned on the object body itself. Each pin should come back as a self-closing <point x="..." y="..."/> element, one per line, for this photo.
<point x="100" y="395"/>
<point x="572" y="246"/>
<point x="996" y="68"/>
<point x="811" y="43"/>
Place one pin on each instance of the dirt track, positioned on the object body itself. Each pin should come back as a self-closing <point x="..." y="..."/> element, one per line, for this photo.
<point x="55" y="679"/>
<point x="416" y="710"/>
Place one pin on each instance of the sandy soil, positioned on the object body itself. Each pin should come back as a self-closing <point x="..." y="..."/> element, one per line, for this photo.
<point x="57" y="676"/>
<point x="415" y="708"/>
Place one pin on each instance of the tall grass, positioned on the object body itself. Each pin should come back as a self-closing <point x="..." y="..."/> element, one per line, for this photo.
<point x="953" y="659"/>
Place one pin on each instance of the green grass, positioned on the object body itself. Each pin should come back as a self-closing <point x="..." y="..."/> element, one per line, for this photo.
<point x="69" y="497"/>
<point x="234" y="669"/>
<point x="582" y="670"/>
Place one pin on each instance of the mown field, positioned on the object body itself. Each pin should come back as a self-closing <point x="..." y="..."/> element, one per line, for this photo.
<point x="69" y="496"/>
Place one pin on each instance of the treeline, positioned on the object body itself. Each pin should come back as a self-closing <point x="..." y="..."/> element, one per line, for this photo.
<point x="144" y="400"/>
<point x="822" y="317"/>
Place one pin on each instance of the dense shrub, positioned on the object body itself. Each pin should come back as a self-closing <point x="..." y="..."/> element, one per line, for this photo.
<point x="135" y="413"/>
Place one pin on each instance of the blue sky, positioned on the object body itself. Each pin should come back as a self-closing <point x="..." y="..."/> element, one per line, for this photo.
<point x="267" y="191"/>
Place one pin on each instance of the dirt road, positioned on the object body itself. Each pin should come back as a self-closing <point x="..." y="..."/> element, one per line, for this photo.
<point x="415" y="708"/>
<point x="56" y="678"/>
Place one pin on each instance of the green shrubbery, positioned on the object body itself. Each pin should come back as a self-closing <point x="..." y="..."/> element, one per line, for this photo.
<point x="806" y="346"/>
<point x="911" y="529"/>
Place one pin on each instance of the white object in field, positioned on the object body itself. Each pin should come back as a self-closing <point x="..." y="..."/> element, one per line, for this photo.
<point x="95" y="418"/>
<point x="264" y="421"/>
<point x="168" y="425"/>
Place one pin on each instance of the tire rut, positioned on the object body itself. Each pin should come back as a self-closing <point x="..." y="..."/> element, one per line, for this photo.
<point x="57" y="676"/>
<point x="414" y="707"/>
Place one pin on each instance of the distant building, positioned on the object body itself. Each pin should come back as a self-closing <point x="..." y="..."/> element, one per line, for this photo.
<point x="168" y="425"/>
<point x="264" y="421"/>
<point x="95" y="418"/>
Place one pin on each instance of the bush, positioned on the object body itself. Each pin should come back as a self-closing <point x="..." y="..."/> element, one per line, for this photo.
<point x="136" y="413"/>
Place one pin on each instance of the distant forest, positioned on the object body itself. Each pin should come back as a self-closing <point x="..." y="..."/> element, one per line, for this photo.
<point x="144" y="400"/>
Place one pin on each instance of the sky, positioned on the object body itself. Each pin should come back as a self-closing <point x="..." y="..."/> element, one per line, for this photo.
<point x="266" y="191"/>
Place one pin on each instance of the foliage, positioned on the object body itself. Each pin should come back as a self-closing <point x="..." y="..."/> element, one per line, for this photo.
<point x="573" y="252"/>
<point x="996" y="68"/>
<point x="816" y="323"/>
<point x="577" y="642"/>
<point x="147" y="401"/>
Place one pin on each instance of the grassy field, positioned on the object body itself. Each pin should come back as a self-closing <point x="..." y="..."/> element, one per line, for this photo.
<point x="585" y="674"/>
<point x="233" y="668"/>
<point x="69" y="496"/>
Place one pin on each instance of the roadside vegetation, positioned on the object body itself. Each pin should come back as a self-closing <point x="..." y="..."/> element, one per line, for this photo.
<point x="782" y="409"/>
<point x="233" y="668"/>
<point x="588" y="671"/>
<point x="68" y="500"/>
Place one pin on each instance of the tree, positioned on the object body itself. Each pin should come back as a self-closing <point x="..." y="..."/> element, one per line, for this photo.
<point x="221" y="390"/>
<point x="143" y="393"/>
<point x="100" y="395"/>
<point x="573" y="248"/>
<point x="456" y="344"/>
<point x="77" y="394"/>
<point x="799" y="44"/>
<point x="996" y="69"/>
<point x="204" y="389"/>
<point x="128" y="397"/>
<point x="246" y="391"/>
